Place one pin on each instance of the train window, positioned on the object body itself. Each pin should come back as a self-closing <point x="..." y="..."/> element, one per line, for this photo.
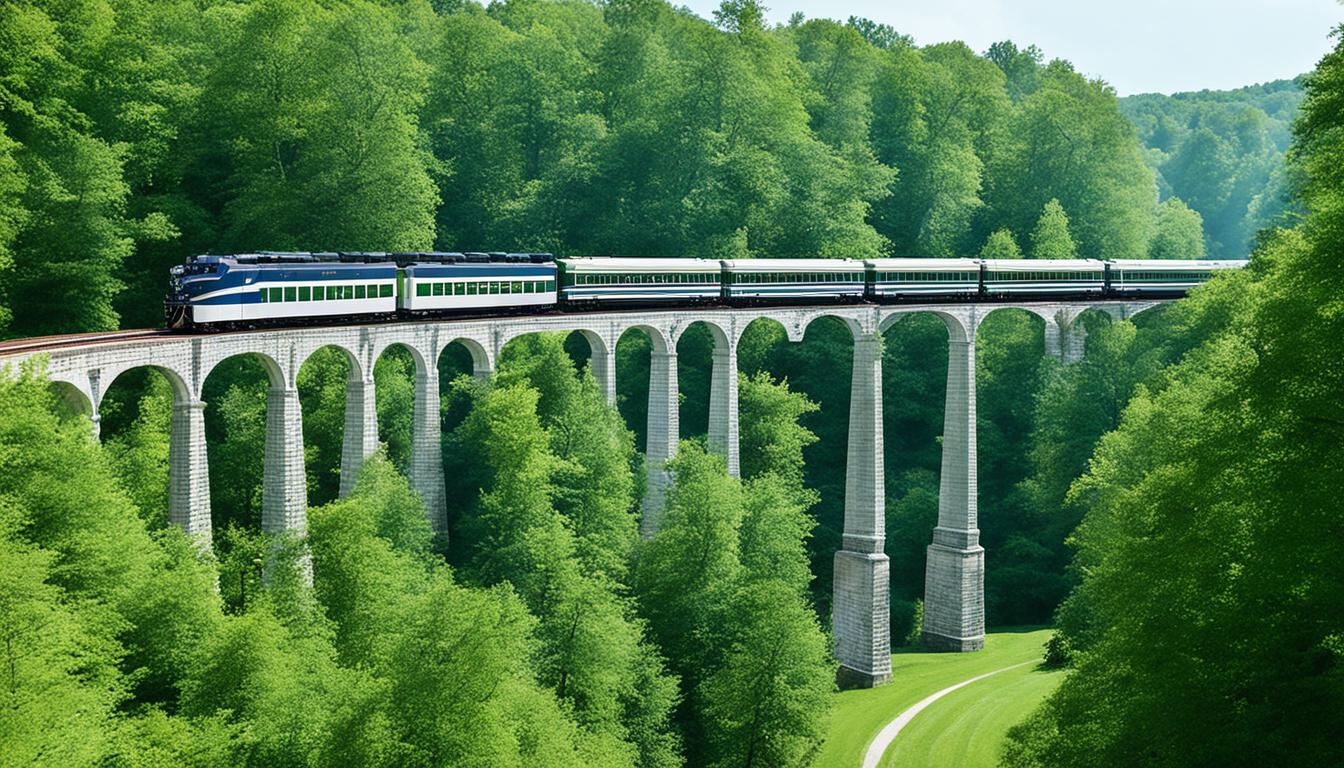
<point x="459" y="289"/>
<point x="422" y="289"/>
<point x="550" y="285"/>
<point x="494" y="287"/>
<point x="437" y="289"/>
<point x="385" y="291"/>
<point x="472" y="288"/>
<point x="291" y="293"/>
<point x="517" y="287"/>
<point x="305" y="293"/>
<point x="262" y="293"/>
<point x="359" y="292"/>
<point x="275" y="294"/>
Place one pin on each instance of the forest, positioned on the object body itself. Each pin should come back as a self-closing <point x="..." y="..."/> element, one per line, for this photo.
<point x="1165" y="501"/>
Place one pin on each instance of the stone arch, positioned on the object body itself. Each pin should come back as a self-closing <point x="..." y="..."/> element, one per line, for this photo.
<point x="600" y="360"/>
<point x="356" y="367"/>
<point x="636" y="350"/>
<point x="414" y="433"/>
<point x="716" y="331"/>
<point x="960" y="326"/>
<point x="396" y="396"/>
<point x="482" y="359"/>
<point x="760" y="321"/>
<point x="1004" y="312"/>
<point x="417" y="355"/>
<point x="337" y="463"/>
<point x="660" y="339"/>
<point x="949" y="568"/>
<point x="73" y="400"/>
<point x="649" y="406"/>
<point x="275" y="373"/>
<point x="856" y="326"/>
<point x="703" y="348"/>
<point x="279" y="461"/>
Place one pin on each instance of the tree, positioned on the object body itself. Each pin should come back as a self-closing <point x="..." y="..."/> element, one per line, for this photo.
<point x="61" y="684"/>
<point x="1180" y="232"/>
<point x="723" y="585"/>
<point x="324" y="155"/>
<point x="140" y="454"/>
<point x="1199" y="513"/>
<point x="1067" y="140"/>
<point x="1000" y="245"/>
<point x="589" y="646"/>
<point x="69" y="230"/>
<point x="1021" y="66"/>
<point x="594" y="485"/>
<point x="1051" y="239"/>
<point x="12" y="216"/>
<point x="766" y="705"/>
<point x="771" y="440"/>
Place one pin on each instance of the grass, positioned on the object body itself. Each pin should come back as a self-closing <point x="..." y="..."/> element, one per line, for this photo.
<point x="859" y="715"/>
<point x="966" y="728"/>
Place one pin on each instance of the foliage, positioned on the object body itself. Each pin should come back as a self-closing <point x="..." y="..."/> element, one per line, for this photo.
<point x="1051" y="239"/>
<point x="118" y="652"/>
<point x="772" y="440"/>
<point x="1000" y="245"/>
<point x="591" y="649"/>
<point x="1222" y="153"/>
<point x="723" y="585"/>
<point x="1180" y="232"/>
<point x="1204" y="629"/>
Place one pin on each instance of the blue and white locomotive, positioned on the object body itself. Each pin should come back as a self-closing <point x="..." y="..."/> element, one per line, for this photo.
<point x="259" y="289"/>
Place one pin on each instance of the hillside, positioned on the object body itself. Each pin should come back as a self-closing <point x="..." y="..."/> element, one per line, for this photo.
<point x="1222" y="153"/>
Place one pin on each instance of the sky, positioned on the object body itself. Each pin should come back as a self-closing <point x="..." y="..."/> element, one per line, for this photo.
<point x="1138" y="46"/>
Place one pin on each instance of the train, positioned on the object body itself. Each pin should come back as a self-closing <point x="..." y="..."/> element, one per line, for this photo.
<point x="267" y="289"/>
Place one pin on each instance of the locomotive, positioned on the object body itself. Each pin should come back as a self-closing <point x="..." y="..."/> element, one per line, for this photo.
<point x="264" y="289"/>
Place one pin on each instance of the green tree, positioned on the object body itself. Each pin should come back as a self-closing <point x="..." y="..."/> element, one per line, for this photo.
<point x="61" y="684"/>
<point x="772" y="440"/>
<point x="1180" y="232"/>
<point x="313" y="111"/>
<point x="72" y="229"/>
<point x="1199" y="513"/>
<point x="1051" y="239"/>
<point x="590" y="646"/>
<point x="140" y="454"/>
<point x="1000" y="245"/>
<point x="1067" y="140"/>
<point x="723" y="585"/>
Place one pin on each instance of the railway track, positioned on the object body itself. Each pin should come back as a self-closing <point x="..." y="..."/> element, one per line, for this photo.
<point x="15" y="346"/>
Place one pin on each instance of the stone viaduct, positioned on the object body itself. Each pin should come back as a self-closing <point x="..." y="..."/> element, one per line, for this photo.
<point x="954" y="576"/>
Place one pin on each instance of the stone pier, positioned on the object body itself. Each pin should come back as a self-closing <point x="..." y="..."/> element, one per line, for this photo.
<point x="663" y="435"/>
<point x="954" y="573"/>
<point x="359" y="440"/>
<point x="860" y="612"/>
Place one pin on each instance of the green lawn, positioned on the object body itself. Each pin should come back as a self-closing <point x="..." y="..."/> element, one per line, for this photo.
<point x="859" y="715"/>
<point x="966" y="727"/>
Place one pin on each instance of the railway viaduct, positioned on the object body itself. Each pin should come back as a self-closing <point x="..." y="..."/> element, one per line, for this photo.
<point x="954" y="576"/>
